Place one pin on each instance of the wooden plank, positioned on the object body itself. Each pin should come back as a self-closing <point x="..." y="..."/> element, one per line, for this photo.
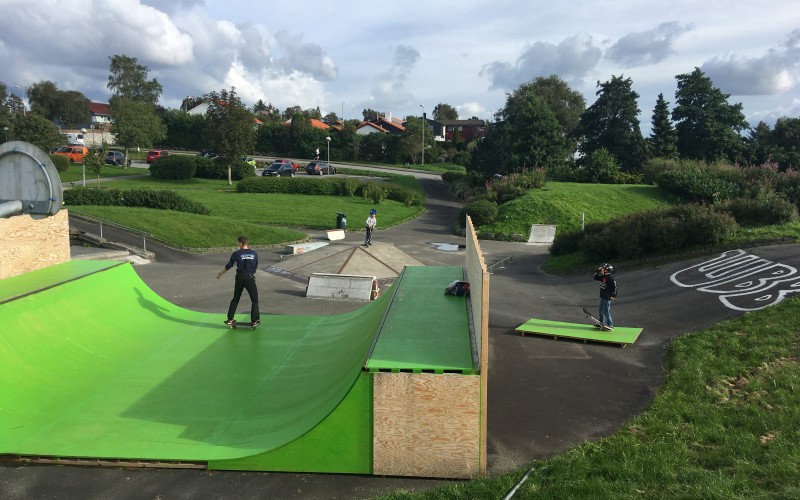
<point x="426" y="425"/>
<point x="28" y="244"/>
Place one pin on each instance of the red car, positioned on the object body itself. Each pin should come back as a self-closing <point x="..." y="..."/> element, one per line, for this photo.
<point x="155" y="154"/>
<point x="288" y="162"/>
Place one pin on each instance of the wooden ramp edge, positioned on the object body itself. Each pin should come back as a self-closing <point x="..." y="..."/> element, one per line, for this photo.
<point x="621" y="336"/>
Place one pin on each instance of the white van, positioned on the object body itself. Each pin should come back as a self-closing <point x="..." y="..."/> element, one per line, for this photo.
<point x="75" y="139"/>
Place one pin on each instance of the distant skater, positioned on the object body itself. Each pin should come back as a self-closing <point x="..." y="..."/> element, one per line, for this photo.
<point x="370" y="226"/>
<point x="608" y="292"/>
<point x="246" y="261"/>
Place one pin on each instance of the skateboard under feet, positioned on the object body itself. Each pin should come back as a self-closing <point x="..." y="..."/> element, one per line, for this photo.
<point x="596" y="321"/>
<point x="233" y="325"/>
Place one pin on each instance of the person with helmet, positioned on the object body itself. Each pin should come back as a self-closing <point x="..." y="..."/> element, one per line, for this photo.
<point x="370" y="225"/>
<point x="608" y="292"/>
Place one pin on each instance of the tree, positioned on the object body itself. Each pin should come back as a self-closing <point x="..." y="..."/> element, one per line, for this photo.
<point x="535" y="137"/>
<point x="330" y="118"/>
<point x="136" y="125"/>
<point x="707" y="126"/>
<point x="409" y="147"/>
<point x="95" y="161"/>
<point x="786" y="143"/>
<point x="444" y="112"/>
<point x="612" y="123"/>
<point x="662" y="142"/>
<point x="370" y="114"/>
<point x="128" y="79"/>
<point x="73" y="108"/>
<point x="758" y="144"/>
<point x="230" y="127"/>
<point x="291" y="111"/>
<point x="37" y="130"/>
<point x="134" y="104"/>
<point x="492" y="153"/>
<point x="44" y="98"/>
<point x="184" y="131"/>
<point x="566" y="104"/>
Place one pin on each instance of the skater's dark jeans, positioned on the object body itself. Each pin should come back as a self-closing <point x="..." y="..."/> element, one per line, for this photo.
<point x="605" y="312"/>
<point x="248" y="282"/>
<point x="368" y="240"/>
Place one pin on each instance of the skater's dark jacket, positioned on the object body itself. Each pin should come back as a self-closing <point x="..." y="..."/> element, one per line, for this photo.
<point x="608" y="285"/>
<point x="246" y="261"/>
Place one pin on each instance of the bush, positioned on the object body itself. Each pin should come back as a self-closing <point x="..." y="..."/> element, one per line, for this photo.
<point x="163" y="199"/>
<point x="61" y="162"/>
<point x="173" y="167"/>
<point x="761" y="211"/>
<point x="701" y="185"/>
<point x="481" y="211"/>
<point x="374" y="192"/>
<point x="655" y="232"/>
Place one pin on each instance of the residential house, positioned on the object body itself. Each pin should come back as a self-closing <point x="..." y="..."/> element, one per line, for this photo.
<point x="465" y="130"/>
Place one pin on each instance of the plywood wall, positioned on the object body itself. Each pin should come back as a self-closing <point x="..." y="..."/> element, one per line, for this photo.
<point x="28" y="244"/>
<point x="426" y="425"/>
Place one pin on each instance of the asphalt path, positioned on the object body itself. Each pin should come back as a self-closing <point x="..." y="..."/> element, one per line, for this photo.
<point x="545" y="396"/>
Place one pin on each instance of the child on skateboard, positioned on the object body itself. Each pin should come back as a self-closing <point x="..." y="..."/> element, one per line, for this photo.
<point x="370" y="226"/>
<point x="608" y="292"/>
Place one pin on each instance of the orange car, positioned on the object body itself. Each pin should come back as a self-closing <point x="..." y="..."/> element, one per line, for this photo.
<point x="74" y="153"/>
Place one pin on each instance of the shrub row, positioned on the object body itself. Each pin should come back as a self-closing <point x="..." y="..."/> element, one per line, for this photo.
<point x="61" y="162"/>
<point x="148" y="198"/>
<point x="341" y="186"/>
<point x="179" y="167"/>
<point x="655" y="232"/>
<point x="481" y="212"/>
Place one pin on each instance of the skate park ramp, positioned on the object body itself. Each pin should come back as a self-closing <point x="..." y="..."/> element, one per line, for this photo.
<point x="621" y="336"/>
<point x="99" y="370"/>
<point x="97" y="365"/>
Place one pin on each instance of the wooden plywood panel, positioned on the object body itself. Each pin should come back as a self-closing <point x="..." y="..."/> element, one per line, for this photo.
<point x="28" y="244"/>
<point x="426" y="425"/>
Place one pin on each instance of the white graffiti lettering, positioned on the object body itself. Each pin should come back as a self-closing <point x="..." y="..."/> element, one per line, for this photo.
<point x="744" y="282"/>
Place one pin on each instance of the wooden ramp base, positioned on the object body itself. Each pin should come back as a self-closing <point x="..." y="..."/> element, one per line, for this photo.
<point x="621" y="336"/>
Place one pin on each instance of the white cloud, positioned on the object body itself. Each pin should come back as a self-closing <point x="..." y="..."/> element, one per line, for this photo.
<point x="646" y="47"/>
<point x="776" y="71"/>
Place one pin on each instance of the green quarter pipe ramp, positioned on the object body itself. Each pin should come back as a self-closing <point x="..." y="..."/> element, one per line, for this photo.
<point x="96" y="366"/>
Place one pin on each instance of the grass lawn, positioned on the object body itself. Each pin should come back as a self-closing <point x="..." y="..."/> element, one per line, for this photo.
<point x="75" y="173"/>
<point x="726" y="424"/>
<point x="561" y="203"/>
<point x="230" y="208"/>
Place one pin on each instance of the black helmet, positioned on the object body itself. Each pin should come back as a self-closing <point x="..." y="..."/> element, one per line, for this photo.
<point x="608" y="267"/>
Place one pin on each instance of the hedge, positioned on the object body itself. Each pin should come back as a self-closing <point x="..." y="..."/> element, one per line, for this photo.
<point x="342" y="186"/>
<point x="655" y="232"/>
<point x="173" y="167"/>
<point x="207" y="168"/>
<point x="148" y="198"/>
<point x="61" y="162"/>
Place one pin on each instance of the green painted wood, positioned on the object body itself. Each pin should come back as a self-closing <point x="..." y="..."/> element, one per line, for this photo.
<point x="341" y="443"/>
<point x="34" y="281"/>
<point x="102" y="367"/>
<point x="619" y="335"/>
<point x="425" y="330"/>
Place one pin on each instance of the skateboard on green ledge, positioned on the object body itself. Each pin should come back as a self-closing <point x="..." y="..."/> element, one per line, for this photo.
<point x="233" y="325"/>
<point x="596" y="321"/>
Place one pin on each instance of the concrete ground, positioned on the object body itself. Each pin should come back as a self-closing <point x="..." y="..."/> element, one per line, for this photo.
<point x="545" y="395"/>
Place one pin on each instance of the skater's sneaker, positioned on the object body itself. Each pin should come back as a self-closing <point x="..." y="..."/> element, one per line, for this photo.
<point x="255" y="323"/>
<point x="230" y="322"/>
<point x="607" y="328"/>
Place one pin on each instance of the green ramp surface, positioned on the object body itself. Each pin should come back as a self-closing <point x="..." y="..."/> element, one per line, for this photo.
<point x="557" y="329"/>
<point x="102" y="367"/>
<point x="425" y="330"/>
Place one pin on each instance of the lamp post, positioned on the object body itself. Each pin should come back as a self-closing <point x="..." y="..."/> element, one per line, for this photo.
<point x="423" y="133"/>
<point x="328" y="140"/>
<point x="343" y="103"/>
<point x="5" y="129"/>
<point x="83" y="163"/>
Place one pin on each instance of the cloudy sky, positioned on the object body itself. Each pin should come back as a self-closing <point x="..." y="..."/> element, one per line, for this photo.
<point x="396" y="56"/>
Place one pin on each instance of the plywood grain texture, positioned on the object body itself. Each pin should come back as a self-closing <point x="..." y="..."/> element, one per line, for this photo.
<point x="426" y="425"/>
<point x="28" y="244"/>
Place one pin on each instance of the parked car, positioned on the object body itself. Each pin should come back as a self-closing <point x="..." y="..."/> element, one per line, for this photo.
<point x="155" y="154"/>
<point x="320" y="168"/>
<point x="279" y="169"/>
<point x="116" y="158"/>
<point x="74" y="153"/>
<point x="290" y="162"/>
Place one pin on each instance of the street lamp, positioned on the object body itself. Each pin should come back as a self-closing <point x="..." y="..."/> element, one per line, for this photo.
<point x="328" y="139"/>
<point x="5" y="129"/>
<point x="83" y="165"/>
<point x="423" y="133"/>
<point x="343" y="103"/>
